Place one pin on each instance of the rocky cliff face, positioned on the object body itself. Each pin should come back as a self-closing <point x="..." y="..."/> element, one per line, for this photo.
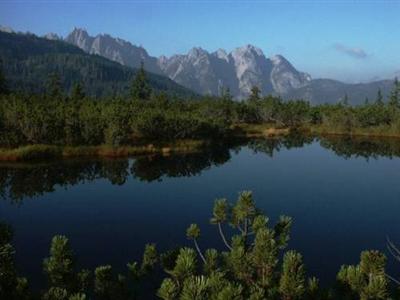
<point x="239" y="71"/>
<point x="284" y="77"/>
<point x="113" y="48"/>
<point x="203" y="72"/>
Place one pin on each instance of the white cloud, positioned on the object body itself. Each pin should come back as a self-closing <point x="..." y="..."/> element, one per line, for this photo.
<point x="354" y="52"/>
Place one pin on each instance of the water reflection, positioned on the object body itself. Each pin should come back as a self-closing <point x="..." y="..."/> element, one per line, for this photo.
<point x="19" y="181"/>
<point x="366" y="147"/>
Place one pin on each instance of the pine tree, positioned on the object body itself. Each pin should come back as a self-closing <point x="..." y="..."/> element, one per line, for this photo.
<point x="11" y="286"/>
<point x="3" y="83"/>
<point x="140" y="89"/>
<point x="379" y="98"/>
<point x="293" y="276"/>
<point x="54" y="89"/>
<point x="226" y="94"/>
<point x="59" y="266"/>
<point x="77" y="92"/>
<point x="367" y="279"/>
<point x="346" y="100"/>
<point x="248" y="270"/>
<point x="394" y="98"/>
<point x="255" y="94"/>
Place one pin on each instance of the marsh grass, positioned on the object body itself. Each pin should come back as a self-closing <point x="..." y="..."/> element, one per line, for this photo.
<point x="43" y="152"/>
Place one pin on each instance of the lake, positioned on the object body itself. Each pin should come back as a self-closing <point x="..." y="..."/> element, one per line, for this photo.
<point x="343" y="194"/>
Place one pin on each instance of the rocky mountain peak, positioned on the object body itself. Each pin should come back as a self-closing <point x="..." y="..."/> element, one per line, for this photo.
<point x="52" y="36"/>
<point x="248" y="50"/>
<point x="79" y="32"/>
<point x="115" y="49"/>
<point x="79" y="37"/>
<point x="196" y="52"/>
<point x="285" y="77"/>
<point x="6" y="29"/>
<point x="221" y="54"/>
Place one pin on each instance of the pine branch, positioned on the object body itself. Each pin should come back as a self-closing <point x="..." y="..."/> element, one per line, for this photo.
<point x="223" y="236"/>
<point x="199" y="251"/>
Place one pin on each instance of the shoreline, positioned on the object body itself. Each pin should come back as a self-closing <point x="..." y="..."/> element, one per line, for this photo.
<point x="44" y="152"/>
<point x="240" y="131"/>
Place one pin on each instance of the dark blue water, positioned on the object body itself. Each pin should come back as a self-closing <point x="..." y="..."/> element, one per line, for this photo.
<point x="341" y="204"/>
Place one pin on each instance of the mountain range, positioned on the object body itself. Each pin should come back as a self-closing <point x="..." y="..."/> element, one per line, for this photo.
<point x="239" y="70"/>
<point x="28" y="60"/>
<point x="208" y="73"/>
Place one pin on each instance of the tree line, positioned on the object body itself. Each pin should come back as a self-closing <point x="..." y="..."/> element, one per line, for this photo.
<point x="56" y="118"/>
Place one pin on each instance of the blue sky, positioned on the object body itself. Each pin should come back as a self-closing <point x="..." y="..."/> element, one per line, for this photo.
<point x="346" y="40"/>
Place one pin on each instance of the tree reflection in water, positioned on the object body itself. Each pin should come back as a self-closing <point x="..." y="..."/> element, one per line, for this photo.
<point x="20" y="181"/>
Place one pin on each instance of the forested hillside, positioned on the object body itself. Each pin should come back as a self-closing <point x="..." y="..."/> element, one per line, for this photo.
<point x="29" y="60"/>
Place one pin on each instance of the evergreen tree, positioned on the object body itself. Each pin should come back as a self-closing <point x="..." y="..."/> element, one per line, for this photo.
<point x="367" y="280"/>
<point x="255" y="93"/>
<point x="248" y="270"/>
<point x="226" y="94"/>
<point x="59" y="266"/>
<point x="11" y="286"/>
<point x="346" y="100"/>
<point x="3" y="83"/>
<point x="293" y="276"/>
<point x="394" y="98"/>
<point x="140" y="89"/>
<point x="54" y="89"/>
<point x="379" y="98"/>
<point x="77" y="92"/>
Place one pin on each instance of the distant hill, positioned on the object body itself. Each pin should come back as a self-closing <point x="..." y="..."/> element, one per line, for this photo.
<point x="320" y="91"/>
<point x="28" y="60"/>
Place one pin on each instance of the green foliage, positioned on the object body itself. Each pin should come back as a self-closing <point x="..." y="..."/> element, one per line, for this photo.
<point x="81" y="120"/>
<point x="11" y="286"/>
<point x="367" y="280"/>
<point x="379" y="98"/>
<point x="28" y="60"/>
<point x="59" y="267"/>
<point x="255" y="94"/>
<point x="150" y="258"/>
<point x="226" y="94"/>
<point x="168" y="290"/>
<point x="394" y="99"/>
<point x="104" y="282"/>
<point x="3" y="83"/>
<point x="54" y="87"/>
<point x="220" y="211"/>
<point x="250" y="268"/>
<point x="292" y="283"/>
<point x="64" y="282"/>
<point x="77" y="92"/>
<point x="193" y="232"/>
<point x="140" y="89"/>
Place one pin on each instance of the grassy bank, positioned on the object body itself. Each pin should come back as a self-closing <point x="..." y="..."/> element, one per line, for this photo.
<point x="41" y="152"/>
<point x="258" y="130"/>
<point x="239" y="131"/>
<point x="373" y="132"/>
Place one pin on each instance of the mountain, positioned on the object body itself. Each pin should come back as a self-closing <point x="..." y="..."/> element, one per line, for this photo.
<point x="320" y="91"/>
<point x="239" y="70"/>
<point x="199" y="70"/>
<point x="114" y="49"/>
<point x="27" y="61"/>
<point x="52" y="36"/>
